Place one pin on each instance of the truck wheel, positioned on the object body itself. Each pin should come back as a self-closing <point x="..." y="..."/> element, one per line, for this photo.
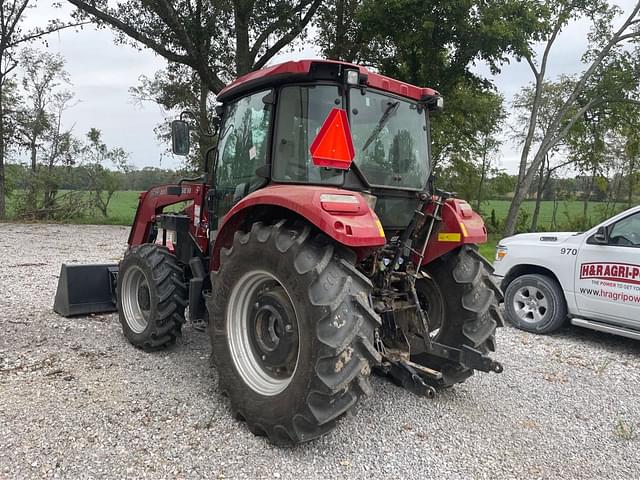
<point x="535" y="303"/>
<point x="151" y="296"/>
<point x="291" y="332"/>
<point x="462" y="303"/>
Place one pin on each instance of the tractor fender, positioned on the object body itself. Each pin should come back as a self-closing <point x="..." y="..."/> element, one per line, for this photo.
<point x="460" y="225"/>
<point x="343" y="215"/>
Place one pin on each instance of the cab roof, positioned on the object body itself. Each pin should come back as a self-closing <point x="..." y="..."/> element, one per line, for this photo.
<point x="309" y="70"/>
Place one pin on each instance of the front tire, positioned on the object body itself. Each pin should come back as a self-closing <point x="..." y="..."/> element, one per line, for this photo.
<point x="151" y="296"/>
<point x="291" y="331"/>
<point x="535" y="303"/>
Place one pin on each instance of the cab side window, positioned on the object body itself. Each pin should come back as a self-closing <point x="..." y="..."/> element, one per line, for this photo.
<point x="242" y="149"/>
<point x="626" y="232"/>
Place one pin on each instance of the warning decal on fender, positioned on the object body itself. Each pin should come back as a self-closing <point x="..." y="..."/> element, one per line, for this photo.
<point x="449" y="237"/>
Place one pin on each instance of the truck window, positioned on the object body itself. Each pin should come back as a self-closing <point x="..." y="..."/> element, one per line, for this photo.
<point x="626" y="232"/>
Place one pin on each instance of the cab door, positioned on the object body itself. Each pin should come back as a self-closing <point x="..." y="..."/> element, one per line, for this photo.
<point x="243" y="148"/>
<point x="607" y="277"/>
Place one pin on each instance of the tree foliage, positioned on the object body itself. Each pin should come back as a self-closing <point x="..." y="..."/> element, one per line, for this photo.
<point x="177" y="89"/>
<point x="217" y="40"/>
<point x="608" y="77"/>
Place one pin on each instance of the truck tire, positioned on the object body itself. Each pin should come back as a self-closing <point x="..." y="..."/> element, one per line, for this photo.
<point x="151" y="296"/>
<point x="291" y="331"/>
<point x="464" y="308"/>
<point x="535" y="303"/>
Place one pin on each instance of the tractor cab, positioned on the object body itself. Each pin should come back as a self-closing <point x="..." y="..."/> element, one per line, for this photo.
<point x="271" y="119"/>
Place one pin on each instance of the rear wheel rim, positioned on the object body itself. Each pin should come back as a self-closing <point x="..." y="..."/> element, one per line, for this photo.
<point x="262" y="333"/>
<point x="530" y="304"/>
<point x="136" y="299"/>
<point x="432" y="303"/>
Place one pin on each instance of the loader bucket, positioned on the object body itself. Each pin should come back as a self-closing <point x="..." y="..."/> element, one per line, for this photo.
<point x="86" y="289"/>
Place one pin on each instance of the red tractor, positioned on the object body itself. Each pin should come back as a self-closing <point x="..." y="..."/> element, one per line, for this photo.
<point x="316" y="249"/>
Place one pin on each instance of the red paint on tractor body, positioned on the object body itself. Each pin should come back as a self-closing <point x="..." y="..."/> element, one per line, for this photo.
<point x="457" y="218"/>
<point x="299" y="69"/>
<point x="358" y="229"/>
<point x="152" y="203"/>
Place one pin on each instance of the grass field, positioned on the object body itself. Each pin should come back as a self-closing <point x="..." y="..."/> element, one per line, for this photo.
<point x="123" y="206"/>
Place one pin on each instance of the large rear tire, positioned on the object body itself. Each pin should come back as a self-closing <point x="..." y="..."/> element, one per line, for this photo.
<point x="151" y="296"/>
<point x="463" y="307"/>
<point x="291" y="331"/>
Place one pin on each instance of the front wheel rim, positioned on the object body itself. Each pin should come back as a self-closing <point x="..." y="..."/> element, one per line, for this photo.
<point x="136" y="299"/>
<point x="262" y="333"/>
<point x="530" y="304"/>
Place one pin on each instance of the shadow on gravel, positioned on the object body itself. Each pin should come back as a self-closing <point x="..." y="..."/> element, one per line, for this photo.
<point x="593" y="338"/>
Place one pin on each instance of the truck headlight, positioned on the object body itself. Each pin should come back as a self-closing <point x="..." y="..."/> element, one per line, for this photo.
<point x="501" y="252"/>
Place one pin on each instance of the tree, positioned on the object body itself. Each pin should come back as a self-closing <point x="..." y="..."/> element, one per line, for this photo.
<point x="429" y="43"/>
<point x="217" y="40"/>
<point x="550" y="101"/>
<point x="466" y="138"/>
<point x="43" y="74"/>
<point x="605" y="41"/>
<point x="102" y="182"/>
<point x="177" y="89"/>
<point x="12" y="36"/>
<point x="341" y="32"/>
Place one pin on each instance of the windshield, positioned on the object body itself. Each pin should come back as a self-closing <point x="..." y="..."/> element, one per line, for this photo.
<point x="390" y="139"/>
<point x="301" y="112"/>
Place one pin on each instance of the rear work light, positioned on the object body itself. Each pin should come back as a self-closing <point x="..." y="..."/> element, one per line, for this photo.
<point x="339" y="203"/>
<point x="353" y="77"/>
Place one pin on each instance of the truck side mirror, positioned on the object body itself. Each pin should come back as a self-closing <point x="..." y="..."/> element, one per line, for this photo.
<point x="180" y="141"/>
<point x="601" y="236"/>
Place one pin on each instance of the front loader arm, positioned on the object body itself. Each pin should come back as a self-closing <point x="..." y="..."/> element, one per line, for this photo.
<point x="153" y="201"/>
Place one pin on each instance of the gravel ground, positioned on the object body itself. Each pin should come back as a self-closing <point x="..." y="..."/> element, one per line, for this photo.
<point x="77" y="401"/>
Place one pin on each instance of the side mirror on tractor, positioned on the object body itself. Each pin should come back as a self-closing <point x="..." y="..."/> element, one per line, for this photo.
<point x="180" y="137"/>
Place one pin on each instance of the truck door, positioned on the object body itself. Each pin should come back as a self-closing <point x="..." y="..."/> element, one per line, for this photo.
<point x="607" y="276"/>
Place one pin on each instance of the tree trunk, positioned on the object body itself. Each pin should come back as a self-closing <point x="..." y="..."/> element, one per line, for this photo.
<point x="632" y="167"/>
<point x="203" y="140"/>
<point x="587" y="194"/>
<point x="542" y="182"/>
<point x="34" y="154"/>
<point x="241" y="18"/>
<point x="2" y="153"/>
<point x="555" y="210"/>
<point x="483" y="173"/>
<point x="522" y="188"/>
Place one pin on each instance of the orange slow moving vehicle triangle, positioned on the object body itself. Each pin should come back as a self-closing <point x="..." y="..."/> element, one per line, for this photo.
<point x="333" y="146"/>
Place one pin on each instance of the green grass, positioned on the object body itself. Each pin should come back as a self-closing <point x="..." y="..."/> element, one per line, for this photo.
<point x="121" y="210"/>
<point x="566" y="210"/>
<point x="488" y="250"/>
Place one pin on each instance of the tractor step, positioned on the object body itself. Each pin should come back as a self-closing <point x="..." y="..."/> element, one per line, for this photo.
<point x="84" y="289"/>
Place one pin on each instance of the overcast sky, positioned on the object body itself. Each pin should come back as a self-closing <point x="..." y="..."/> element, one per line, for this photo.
<point x="102" y="73"/>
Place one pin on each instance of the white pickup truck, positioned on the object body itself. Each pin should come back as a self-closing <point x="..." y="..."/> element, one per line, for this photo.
<point x="591" y="278"/>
